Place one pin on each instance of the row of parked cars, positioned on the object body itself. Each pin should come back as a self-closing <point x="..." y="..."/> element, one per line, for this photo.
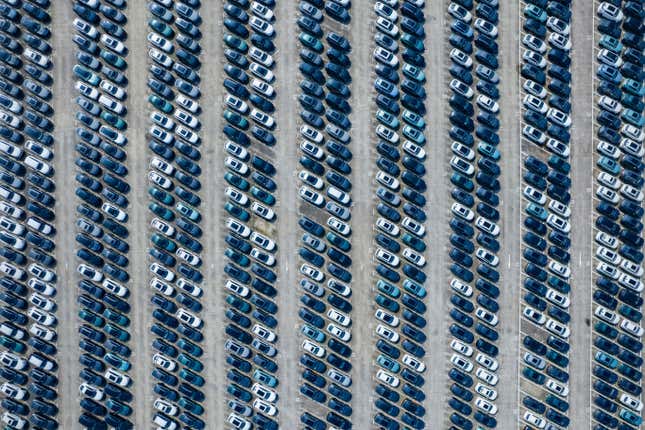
<point x="101" y="189"/>
<point x="251" y="343"/>
<point x="398" y="58"/>
<point x="28" y="320"/>
<point x="325" y="213"/>
<point x="545" y="76"/>
<point x="175" y="249"/>
<point x="475" y="221"/>
<point x="618" y="286"/>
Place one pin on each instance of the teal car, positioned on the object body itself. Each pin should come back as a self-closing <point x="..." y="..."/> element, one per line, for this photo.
<point x="312" y="333"/>
<point x="116" y="317"/>
<point x="633" y="87"/>
<point x="534" y="12"/>
<point x="414" y="135"/>
<point x="611" y="43"/>
<point x="85" y="75"/>
<point x="191" y="378"/>
<point x="13" y="345"/>
<point x="190" y="348"/>
<point x="163" y="242"/>
<point x="161" y="28"/>
<point x="414" y="288"/>
<point x="190" y="362"/>
<point x="236" y="120"/>
<point x="238" y="304"/>
<point x="263" y="196"/>
<point x="265" y="378"/>
<point x="118" y="407"/>
<point x="236" y="43"/>
<point x="190" y="213"/>
<point x="190" y="406"/>
<point x="310" y="42"/>
<point x="412" y="42"/>
<point x="112" y="59"/>
<point x="236" y="181"/>
<point x="413" y="72"/>
<point x="630" y="417"/>
<point x="237" y="212"/>
<point x="338" y="241"/>
<point x="389" y="289"/>
<point x="387" y="303"/>
<point x="633" y="117"/>
<point x="114" y="120"/>
<point x="161" y="211"/>
<point x="91" y="318"/>
<point x="117" y="362"/>
<point x="537" y="211"/>
<point x="608" y="165"/>
<point x="160" y="103"/>
<point x="161" y="196"/>
<point x="413" y="242"/>
<point x="239" y="259"/>
<point x="413" y="119"/>
<point x="488" y="150"/>
<point x="606" y="360"/>
<point x="387" y="119"/>
<point x="388" y="364"/>
<point x="117" y="333"/>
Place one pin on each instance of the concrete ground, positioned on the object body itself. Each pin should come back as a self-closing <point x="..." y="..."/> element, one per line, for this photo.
<point x="361" y="33"/>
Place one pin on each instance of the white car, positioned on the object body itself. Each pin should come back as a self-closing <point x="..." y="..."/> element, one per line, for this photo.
<point x="339" y="317"/>
<point x="387" y="378"/>
<point x="559" y="269"/>
<point x="42" y="332"/>
<point x="263" y="88"/>
<point x="41" y="273"/>
<point x="13" y="421"/>
<point x="558" y="329"/>
<point x="533" y="419"/>
<point x="187" y="103"/>
<point x="387" y="227"/>
<point x="10" y="226"/>
<point x="631" y="327"/>
<point x="414" y="150"/>
<point x="631" y="402"/>
<point x="262" y="11"/>
<point x="264" y="333"/>
<point x="388" y="181"/>
<point x="533" y="315"/>
<point x="85" y="28"/>
<point x="387" y="334"/>
<point x="387" y="318"/>
<point x="312" y="273"/>
<point x="388" y="27"/>
<point x="188" y="257"/>
<point x="461" y="363"/>
<point x="162" y="272"/>
<point x="163" y="166"/>
<point x="311" y="196"/>
<point x="486" y="376"/>
<point x="534" y="195"/>
<point x="165" y="407"/>
<point x="42" y="317"/>
<point x="42" y="302"/>
<point x="40" y="166"/>
<point x="162" y="287"/>
<point x="461" y="288"/>
<point x="462" y="166"/>
<point x="631" y="267"/>
<point x="264" y="393"/>
<point x="90" y="273"/>
<point x="338" y="332"/>
<point x="238" y="289"/>
<point x="311" y="179"/>
<point x="461" y="89"/>
<point x="339" y="226"/>
<point x="117" y="378"/>
<point x="486" y="391"/>
<point x="610" y="105"/>
<point x="264" y="407"/>
<point x="633" y="132"/>
<point x="607" y="270"/>
<point x="558" y="298"/>
<point x="189" y="287"/>
<point x="462" y="212"/>
<point x="387" y="133"/>
<point x="461" y="347"/>
<point x="263" y="241"/>
<point x="488" y="362"/>
<point x="90" y="391"/>
<point x="113" y="90"/>
<point x="606" y="240"/>
<point x="238" y="422"/>
<point x="313" y="348"/>
<point x="267" y="259"/>
<point x="557" y="388"/>
<point x="113" y="44"/>
<point x="632" y="147"/>
<point x="459" y="12"/>
<point x="262" y="72"/>
<point x="414" y="258"/>
<point x="188" y="318"/>
<point x="487" y="316"/>
<point x="238" y="227"/>
<point x="486" y="406"/>
<point x="160" y="42"/>
<point x="605" y="314"/>
<point x="13" y="361"/>
<point x="413" y="227"/>
<point x="558" y="223"/>
<point x="487" y="257"/>
<point x="630" y="282"/>
<point x="631" y="192"/>
<point x="262" y="118"/>
<point x="387" y="258"/>
<point x="114" y="212"/>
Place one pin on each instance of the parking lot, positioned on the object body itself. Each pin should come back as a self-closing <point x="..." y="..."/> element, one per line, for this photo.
<point x="353" y="228"/>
